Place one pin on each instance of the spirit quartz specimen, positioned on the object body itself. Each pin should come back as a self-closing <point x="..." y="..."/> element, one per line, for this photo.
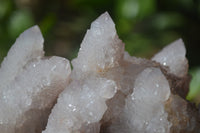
<point x="108" y="91"/>
<point x="29" y="84"/>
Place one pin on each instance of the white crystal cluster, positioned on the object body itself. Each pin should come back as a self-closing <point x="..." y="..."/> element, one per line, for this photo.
<point x="108" y="91"/>
<point x="29" y="84"/>
<point x="144" y="108"/>
<point x="83" y="103"/>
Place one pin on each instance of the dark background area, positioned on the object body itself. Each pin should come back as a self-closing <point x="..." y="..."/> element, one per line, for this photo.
<point x="144" y="25"/>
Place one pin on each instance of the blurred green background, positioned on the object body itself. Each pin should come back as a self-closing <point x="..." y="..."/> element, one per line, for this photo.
<point x="145" y="26"/>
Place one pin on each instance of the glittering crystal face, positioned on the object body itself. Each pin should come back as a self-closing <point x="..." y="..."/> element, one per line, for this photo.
<point x="108" y="91"/>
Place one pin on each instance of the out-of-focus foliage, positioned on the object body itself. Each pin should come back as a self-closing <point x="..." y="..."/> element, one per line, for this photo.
<point x="18" y="21"/>
<point x="194" y="93"/>
<point x="144" y="25"/>
<point x="13" y="21"/>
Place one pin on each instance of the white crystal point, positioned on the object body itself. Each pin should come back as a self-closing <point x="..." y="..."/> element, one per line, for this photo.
<point x="28" y="46"/>
<point x="81" y="105"/>
<point x="151" y="82"/>
<point x="101" y="48"/>
<point x="173" y="56"/>
<point x="29" y="84"/>
<point x="144" y="108"/>
<point x="146" y="103"/>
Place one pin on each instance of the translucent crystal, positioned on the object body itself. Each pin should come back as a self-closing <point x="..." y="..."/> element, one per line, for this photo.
<point x="101" y="48"/>
<point x="108" y="91"/>
<point x="113" y="92"/>
<point x="173" y="56"/>
<point x="83" y="102"/>
<point x="30" y="84"/>
<point x="27" y="47"/>
<point x="144" y="109"/>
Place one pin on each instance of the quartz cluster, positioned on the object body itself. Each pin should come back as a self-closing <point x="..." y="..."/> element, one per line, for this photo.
<point x="29" y="84"/>
<point x="108" y="91"/>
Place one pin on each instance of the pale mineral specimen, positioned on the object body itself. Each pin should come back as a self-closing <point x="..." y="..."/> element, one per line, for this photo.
<point x="82" y="104"/>
<point x="173" y="56"/>
<point x="29" y="84"/>
<point x="108" y="91"/>
<point x="112" y="92"/>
